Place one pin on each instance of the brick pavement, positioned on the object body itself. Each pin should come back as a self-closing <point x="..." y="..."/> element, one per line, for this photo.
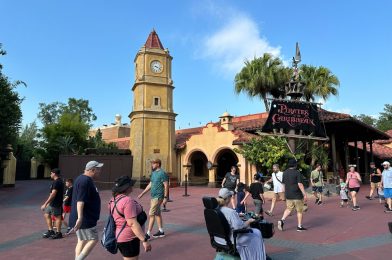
<point x="334" y="233"/>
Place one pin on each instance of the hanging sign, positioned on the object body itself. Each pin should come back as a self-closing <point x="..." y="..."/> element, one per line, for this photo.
<point x="294" y="115"/>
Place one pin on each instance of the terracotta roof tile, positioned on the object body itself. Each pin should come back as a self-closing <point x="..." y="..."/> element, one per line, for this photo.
<point x="381" y="151"/>
<point x="153" y="41"/>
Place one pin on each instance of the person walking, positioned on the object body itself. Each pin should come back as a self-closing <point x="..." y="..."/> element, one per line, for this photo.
<point x="125" y="210"/>
<point x="230" y="182"/>
<point x="257" y="192"/>
<point x="295" y="194"/>
<point x="67" y="202"/>
<point x="159" y="187"/>
<point x="353" y="182"/>
<point x="375" y="179"/>
<point x="386" y="183"/>
<point x="317" y="182"/>
<point x="276" y="179"/>
<point x="52" y="207"/>
<point x="85" y="209"/>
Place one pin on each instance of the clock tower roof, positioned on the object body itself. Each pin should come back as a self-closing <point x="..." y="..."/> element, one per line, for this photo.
<point x="153" y="41"/>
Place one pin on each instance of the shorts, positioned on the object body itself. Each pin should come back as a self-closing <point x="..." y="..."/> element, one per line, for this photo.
<point x="54" y="211"/>
<point x="354" y="189"/>
<point x="298" y="205"/>
<point x="87" y="233"/>
<point x="130" y="248"/>
<point x="280" y="195"/>
<point x="345" y="200"/>
<point x="155" y="209"/>
<point x="66" y="209"/>
<point x="388" y="193"/>
<point x="318" y="189"/>
<point x="258" y="206"/>
<point x="374" y="184"/>
<point x="54" y="218"/>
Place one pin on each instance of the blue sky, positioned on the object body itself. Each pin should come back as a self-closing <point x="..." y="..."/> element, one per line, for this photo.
<point x="85" y="49"/>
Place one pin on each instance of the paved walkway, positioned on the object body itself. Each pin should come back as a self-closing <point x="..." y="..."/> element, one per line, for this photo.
<point x="334" y="233"/>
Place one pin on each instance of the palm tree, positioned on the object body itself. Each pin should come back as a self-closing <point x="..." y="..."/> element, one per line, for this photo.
<point x="261" y="77"/>
<point x="320" y="82"/>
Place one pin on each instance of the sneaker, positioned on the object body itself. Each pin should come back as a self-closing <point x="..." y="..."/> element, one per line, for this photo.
<point x="317" y="201"/>
<point x="68" y="229"/>
<point x="388" y="211"/>
<point x="269" y="213"/>
<point x="300" y="229"/>
<point x="147" y="236"/>
<point x="159" y="234"/>
<point x="48" y="234"/>
<point x="369" y="198"/>
<point x="280" y="225"/>
<point x="57" y="235"/>
<point x="355" y="208"/>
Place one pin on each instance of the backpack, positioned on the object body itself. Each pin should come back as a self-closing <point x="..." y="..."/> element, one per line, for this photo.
<point x="109" y="238"/>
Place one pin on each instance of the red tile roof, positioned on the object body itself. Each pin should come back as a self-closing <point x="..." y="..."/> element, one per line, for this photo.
<point x="381" y="151"/>
<point x="153" y="41"/>
<point x="389" y="132"/>
<point x="122" y="143"/>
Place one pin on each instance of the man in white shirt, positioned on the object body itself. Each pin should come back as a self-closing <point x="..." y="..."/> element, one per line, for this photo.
<point x="276" y="178"/>
<point x="386" y="183"/>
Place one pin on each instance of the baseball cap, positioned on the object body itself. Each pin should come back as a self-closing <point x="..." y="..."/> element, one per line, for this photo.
<point x="225" y="193"/>
<point x="93" y="164"/>
<point x="386" y="163"/>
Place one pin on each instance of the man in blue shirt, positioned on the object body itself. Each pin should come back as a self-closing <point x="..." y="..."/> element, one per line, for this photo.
<point x="86" y="207"/>
<point x="159" y="191"/>
<point x="386" y="183"/>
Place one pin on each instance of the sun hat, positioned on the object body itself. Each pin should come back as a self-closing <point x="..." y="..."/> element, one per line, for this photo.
<point x="122" y="183"/>
<point x="292" y="163"/>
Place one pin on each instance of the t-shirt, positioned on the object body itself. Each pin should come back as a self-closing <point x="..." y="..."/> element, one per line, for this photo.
<point x="85" y="190"/>
<point x="319" y="175"/>
<point x="231" y="181"/>
<point x="130" y="209"/>
<point x="291" y="178"/>
<point x="277" y="181"/>
<point x="68" y="193"/>
<point x="234" y="221"/>
<point x="255" y="189"/>
<point x="158" y="177"/>
<point x="353" y="180"/>
<point x="374" y="179"/>
<point x="57" y="185"/>
<point x="387" y="178"/>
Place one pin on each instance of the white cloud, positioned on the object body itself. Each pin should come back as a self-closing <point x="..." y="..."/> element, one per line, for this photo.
<point x="237" y="40"/>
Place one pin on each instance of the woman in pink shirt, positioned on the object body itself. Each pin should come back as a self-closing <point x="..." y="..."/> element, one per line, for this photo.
<point x="129" y="233"/>
<point x="353" y="182"/>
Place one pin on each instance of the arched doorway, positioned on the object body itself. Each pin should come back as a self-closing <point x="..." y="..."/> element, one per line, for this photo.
<point x="198" y="172"/>
<point x="40" y="171"/>
<point x="224" y="160"/>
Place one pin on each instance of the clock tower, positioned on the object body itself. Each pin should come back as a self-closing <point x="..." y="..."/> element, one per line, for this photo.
<point x="152" y="116"/>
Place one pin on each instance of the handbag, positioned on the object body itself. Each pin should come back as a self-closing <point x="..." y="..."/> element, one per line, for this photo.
<point x="142" y="216"/>
<point x="266" y="228"/>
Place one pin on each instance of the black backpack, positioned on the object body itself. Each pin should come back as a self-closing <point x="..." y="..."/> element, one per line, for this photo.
<point x="109" y="238"/>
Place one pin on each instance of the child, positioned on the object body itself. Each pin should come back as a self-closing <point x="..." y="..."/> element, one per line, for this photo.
<point x="380" y="192"/>
<point x="67" y="202"/>
<point x="256" y="190"/>
<point x="343" y="193"/>
<point x="240" y="208"/>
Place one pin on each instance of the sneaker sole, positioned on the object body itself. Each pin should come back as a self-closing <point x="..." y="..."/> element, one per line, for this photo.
<point x="159" y="236"/>
<point x="280" y="226"/>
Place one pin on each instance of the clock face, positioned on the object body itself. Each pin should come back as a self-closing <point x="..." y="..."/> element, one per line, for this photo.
<point x="156" y="66"/>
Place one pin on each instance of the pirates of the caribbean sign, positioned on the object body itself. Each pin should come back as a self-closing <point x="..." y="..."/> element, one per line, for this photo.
<point x="289" y="115"/>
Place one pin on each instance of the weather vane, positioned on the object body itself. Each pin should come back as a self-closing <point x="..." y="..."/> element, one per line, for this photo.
<point x="295" y="88"/>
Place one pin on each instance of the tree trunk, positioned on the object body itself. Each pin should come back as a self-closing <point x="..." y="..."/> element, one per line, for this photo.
<point x="267" y="109"/>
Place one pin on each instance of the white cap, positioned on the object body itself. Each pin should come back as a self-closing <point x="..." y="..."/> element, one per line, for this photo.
<point x="386" y="163"/>
<point x="225" y="193"/>
<point x="93" y="164"/>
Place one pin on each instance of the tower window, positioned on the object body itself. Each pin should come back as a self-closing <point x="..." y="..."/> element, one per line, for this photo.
<point x="156" y="101"/>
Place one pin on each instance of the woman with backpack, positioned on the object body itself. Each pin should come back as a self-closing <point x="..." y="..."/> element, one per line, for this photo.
<point x="125" y="211"/>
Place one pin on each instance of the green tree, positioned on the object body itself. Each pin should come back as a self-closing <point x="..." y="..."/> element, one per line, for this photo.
<point x="366" y="119"/>
<point x="320" y="82"/>
<point x="384" y="122"/>
<point x="266" y="151"/>
<point x="65" y="128"/>
<point x="261" y="77"/>
<point x="10" y="111"/>
<point x="27" y="142"/>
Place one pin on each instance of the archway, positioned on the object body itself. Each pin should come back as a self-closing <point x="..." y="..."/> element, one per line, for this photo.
<point x="40" y="171"/>
<point x="198" y="172"/>
<point x="224" y="160"/>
